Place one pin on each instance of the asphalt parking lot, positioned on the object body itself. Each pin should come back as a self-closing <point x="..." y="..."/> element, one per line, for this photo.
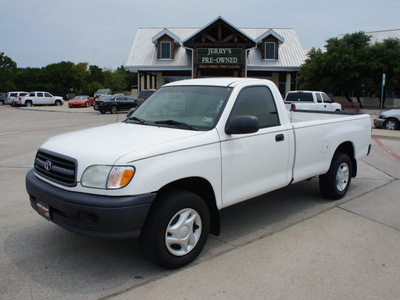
<point x="288" y="244"/>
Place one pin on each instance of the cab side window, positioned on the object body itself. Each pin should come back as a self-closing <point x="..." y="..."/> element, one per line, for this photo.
<point x="256" y="101"/>
<point x="326" y="98"/>
<point x="319" y="98"/>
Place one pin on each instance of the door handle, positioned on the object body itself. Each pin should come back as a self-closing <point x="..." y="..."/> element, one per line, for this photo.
<point x="279" y="138"/>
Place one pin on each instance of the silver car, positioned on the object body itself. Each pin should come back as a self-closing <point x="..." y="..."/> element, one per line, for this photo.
<point x="389" y="120"/>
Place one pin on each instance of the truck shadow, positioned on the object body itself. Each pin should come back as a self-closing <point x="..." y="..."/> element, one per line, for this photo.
<point x="69" y="264"/>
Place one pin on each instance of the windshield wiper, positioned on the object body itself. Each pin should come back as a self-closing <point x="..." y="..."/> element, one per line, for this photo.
<point x="141" y="121"/>
<point x="176" y="123"/>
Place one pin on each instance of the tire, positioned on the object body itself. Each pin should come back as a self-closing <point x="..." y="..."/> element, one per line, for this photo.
<point x="335" y="183"/>
<point x="28" y="103"/>
<point x="103" y="111"/>
<point x="176" y="230"/>
<point x="58" y="103"/>
<point x="391" y="124"/>
<point x="113" y="109"/>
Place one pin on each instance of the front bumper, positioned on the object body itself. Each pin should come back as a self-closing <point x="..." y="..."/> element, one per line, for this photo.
<point x="88" y="214"/>
<point x="378" y="122"/>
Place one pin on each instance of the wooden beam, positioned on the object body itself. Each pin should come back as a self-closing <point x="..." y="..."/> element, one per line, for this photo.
<point x="228" y="38"/>
<point x="211" y="38"/>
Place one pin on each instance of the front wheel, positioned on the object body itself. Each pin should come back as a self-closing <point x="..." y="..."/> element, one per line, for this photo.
<point x="391" y="124"/>
<point x="335" y="183"/>
<point x="177" y="229"/>
<point x="58" y="103"/>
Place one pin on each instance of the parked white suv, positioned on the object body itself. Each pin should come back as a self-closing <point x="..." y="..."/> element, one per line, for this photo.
<point x="39" y="98"/>
<point x="13" y="95"/>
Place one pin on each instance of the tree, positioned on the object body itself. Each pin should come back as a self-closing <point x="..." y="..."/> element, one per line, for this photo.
<point x="386" y="60"/>
<point x="351" y="64"/>
<point x="8" y="69"/>
<point x="63" y="78"/>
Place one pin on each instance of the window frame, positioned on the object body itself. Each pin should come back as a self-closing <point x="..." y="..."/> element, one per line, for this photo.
<point x="169" y="49"/>
<point x="267" y="51"/>
<point x="278" y="121"/>
<point x="326" y="98"/>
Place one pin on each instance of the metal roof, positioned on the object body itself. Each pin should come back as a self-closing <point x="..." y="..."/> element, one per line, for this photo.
<point x="380" y="36"/>
<point x="143" y="54"/>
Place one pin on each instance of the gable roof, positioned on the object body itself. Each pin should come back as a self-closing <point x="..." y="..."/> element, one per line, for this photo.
<point x="268" y="33"/>
<point x="143" y="54"/>
<point x="221" y="19"/>
<point x="165" y="31"/>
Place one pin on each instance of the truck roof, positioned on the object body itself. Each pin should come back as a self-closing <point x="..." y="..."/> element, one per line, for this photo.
<point x="220" y="81"/>
<point x="301" y="91"/>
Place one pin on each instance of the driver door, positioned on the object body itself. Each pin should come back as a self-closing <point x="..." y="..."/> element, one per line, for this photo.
<point x="255" y="163"/>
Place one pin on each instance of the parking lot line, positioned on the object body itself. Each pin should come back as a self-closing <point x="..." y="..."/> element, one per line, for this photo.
<point x="44" y="129"/>
<point x="396" y="156"/>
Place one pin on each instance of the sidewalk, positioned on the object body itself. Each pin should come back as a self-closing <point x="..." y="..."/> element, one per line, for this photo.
<point x="349" y="252"/>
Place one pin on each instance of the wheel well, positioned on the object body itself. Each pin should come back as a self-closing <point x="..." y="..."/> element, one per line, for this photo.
<point x="204" y="190"/>
<point x="392" y="118"/>
<point x="347" y="148"/>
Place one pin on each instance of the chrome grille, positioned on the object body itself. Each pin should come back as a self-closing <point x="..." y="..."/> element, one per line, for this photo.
<point x="56" y="167"/>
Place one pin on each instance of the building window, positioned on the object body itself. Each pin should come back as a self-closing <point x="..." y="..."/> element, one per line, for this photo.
<point x="168" y="79"/>
<point x="269" y="50"/>
<point x="165" y="50"/>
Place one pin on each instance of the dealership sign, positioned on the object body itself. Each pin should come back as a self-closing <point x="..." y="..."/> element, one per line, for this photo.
<point x="219" y="56"/>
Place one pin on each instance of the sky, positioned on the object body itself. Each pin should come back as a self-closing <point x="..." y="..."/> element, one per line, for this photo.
<point x="36" y="33"/>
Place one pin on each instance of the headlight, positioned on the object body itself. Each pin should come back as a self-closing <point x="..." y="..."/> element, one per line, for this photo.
<point x="107" y="177"/>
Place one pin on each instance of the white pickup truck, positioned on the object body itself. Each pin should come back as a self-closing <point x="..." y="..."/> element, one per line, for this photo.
<point x="193" y="148"/>
<point x="310" y="100"/>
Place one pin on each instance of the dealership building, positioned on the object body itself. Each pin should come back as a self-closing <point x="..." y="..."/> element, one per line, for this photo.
<point x="219" y="49"/>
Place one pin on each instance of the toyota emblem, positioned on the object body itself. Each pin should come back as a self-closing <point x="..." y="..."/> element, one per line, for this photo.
<point x="48" y="165"/>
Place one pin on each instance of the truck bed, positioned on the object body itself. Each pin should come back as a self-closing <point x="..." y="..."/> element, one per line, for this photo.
<point x="300" y="116"/>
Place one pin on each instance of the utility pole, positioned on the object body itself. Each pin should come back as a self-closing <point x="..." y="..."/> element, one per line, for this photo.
<point x="383" y="85"/>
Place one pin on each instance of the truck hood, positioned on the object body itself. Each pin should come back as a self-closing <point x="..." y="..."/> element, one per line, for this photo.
<point x="122" y="143"/>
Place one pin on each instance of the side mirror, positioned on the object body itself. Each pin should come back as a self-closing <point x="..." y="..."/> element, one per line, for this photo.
<point x="130" y="112"/>
<point x="242" y="125"/>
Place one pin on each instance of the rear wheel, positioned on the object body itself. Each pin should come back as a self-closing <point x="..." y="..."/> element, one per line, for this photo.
<point x="113" y="109"/>
<point x="177" y="229"/>
<point x="335" y="183"/>
<point x="28" y="103"/>
<point x="391" y="124"/>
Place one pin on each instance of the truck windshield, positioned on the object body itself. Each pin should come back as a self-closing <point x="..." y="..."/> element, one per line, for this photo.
<point x="185" y="107"/>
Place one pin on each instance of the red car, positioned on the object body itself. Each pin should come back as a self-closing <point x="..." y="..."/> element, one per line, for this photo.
<point x="80" y="101"/>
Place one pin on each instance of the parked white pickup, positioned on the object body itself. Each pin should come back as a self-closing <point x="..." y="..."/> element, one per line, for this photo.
<point x="194" y="147"/>
<point x="310" y="100"/>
